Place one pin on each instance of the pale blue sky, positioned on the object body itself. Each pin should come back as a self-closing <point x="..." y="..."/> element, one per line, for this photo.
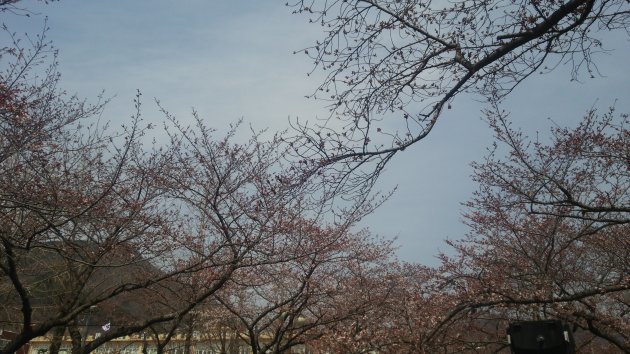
<point x="233" y="58"/>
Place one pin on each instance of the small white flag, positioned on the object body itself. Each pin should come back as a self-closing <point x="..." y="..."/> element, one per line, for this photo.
<point x="106" y="327"/>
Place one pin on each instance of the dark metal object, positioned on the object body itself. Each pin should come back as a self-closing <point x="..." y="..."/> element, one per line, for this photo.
<point x="540" y="337"/>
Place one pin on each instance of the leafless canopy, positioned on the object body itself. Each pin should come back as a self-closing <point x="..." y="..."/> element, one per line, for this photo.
<point x="394" y="65"/>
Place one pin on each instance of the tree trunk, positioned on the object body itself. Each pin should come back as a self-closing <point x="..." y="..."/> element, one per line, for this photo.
<point x="144" y="343"/>
<point x="57" y="338"/>
<point x="75" y="337"/>
<point x="189" y="334"/>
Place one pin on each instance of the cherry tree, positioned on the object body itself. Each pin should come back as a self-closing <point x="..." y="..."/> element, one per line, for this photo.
<point x="299" y="300"/>
<point x="548" y="238"/>
<point x="393" y="67"/>
<point x="393" y="317"/>
<point x="95" y="219"/>
<point x="76" y="198"/>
